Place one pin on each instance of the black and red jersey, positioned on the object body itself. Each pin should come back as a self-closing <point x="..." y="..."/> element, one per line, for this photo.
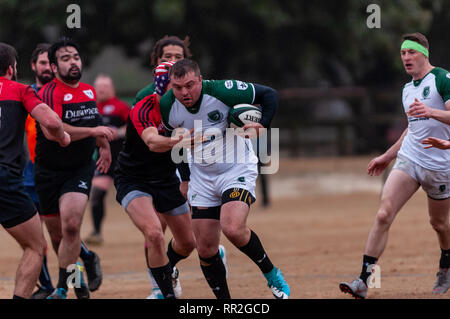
<point x="136" y="160"/>
<point x="114" y="112"/>
<point x="16" y="100"/>
<point x="76" y="107"/>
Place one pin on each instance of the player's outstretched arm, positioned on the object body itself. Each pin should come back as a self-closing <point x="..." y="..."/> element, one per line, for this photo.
<point x="436" y="142"/>
<point x="51" y="124"/>
<point x="419" y="109"/>
<point x="267" y="97"/>
<point x="378" y="164"/>
<point x="79" y="133"/>
<point x="159" y="143"/>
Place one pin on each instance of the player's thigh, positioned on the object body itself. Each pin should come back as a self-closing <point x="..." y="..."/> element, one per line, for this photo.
<point x="103" y="182"/>
<point x="397" y="190"/>
<point x="181" y="227"/>
<point x="143" y="215"/>
<point x="207" y="235"/>
<point x="234" y="214"/>
<point x="29" y="233"/>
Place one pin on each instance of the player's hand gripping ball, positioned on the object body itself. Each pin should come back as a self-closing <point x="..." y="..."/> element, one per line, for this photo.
<point x="242" y="114"/>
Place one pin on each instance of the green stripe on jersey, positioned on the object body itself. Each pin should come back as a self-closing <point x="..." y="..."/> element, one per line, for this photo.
<point x="230" y="92"/>
<point x="442" y="82"/>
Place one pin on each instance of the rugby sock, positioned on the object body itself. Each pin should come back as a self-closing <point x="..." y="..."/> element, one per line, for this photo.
<point x="85" y="254"/>
<point x="174" y="257"/>
<point x="44" y="276"/>
<point x="163" y="277"/>
<point x="98" y="208"/>
<point x="215" y="275"/>
<point x="445" y="259"/>
<point x="367" y="261"/>
<point x="18" y="297"/>
<point x="63" y="276"/>
<point x="255" y="251"/>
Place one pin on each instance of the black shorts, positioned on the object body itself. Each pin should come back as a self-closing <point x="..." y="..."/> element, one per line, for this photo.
<point x="166" y="193"/>
<point x="51" y="185"/>
<point x="16" y="206"/>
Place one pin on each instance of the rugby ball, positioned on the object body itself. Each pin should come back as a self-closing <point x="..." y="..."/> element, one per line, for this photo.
<point x="242" y="114"/>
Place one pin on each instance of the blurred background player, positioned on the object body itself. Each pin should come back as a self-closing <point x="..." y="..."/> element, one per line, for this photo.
<point x="220" y="191"/>
<point x="114" y="113"/>
<point x="426" y="101"/>
<point x="63" y="176"/>
<point x="145" y="177"/>
<point x="168" y="48"/>
<point x="18" y="215"/>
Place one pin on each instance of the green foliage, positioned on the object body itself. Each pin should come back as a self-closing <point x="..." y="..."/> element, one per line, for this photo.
<point x="281" y="43"/>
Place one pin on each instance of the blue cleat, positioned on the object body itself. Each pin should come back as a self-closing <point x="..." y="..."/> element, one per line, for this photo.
<point x="58" y="293"/>
<point x="277" y="284"/>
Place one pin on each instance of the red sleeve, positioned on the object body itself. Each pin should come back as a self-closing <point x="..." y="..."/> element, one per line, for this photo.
<point x="51" y="96"/>
<point x="145" y="114"/>
<point x="124" y="111"/>
<point x="29" y="98"/>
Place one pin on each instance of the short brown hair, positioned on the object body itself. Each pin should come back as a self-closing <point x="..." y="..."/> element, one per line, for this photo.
<point x="157" y="51"/>
<point x="183" y="67"/>
<point x="40" y="48"/>
<point x="416" y="37"/>
<point x="8" y="56"/>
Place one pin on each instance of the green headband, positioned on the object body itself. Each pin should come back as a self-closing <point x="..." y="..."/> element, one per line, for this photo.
<point x="408" y="44"/>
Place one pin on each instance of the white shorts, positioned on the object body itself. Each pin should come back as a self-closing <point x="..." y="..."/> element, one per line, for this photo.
<point x="207" y="186"/>
<point x="435" y="183"/>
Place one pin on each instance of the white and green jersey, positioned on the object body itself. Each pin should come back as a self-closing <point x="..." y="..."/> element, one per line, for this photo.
<point x="434" y="91"/>
<point x="209" y="117"/>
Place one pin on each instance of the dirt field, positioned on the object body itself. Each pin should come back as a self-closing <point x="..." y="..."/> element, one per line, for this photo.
<point x="315" y="231"/>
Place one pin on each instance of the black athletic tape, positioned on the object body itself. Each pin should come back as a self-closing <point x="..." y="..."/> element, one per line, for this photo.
<point x="207" y="213"/>
<point x="237" y="194"/>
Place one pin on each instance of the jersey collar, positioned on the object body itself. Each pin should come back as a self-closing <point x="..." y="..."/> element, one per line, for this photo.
<point x="417" y="82"/>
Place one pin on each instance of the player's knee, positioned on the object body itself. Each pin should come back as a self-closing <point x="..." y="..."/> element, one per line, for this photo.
<point x="233" y="231"/>
<point x="37" y="247"/>
<point x="71" y="229"/>
<point x="385" y="215"/>
<point x="187" y="246"/>
<point x="207" y="250"/>
<point x="440" y="226"/>
<point x="154" y="237"/>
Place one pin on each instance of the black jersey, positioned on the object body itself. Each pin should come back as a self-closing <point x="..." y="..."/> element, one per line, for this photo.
<point x="16" y="100"/>
<point x="76" y="107"/>
<point x="136" y="160"/>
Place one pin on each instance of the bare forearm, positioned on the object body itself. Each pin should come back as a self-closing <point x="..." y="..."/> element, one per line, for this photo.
<point x="49" y="122"/>
<point x="78" y="133"/>
<point x="158" y="143"/>
<point x="440" y="115"/>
